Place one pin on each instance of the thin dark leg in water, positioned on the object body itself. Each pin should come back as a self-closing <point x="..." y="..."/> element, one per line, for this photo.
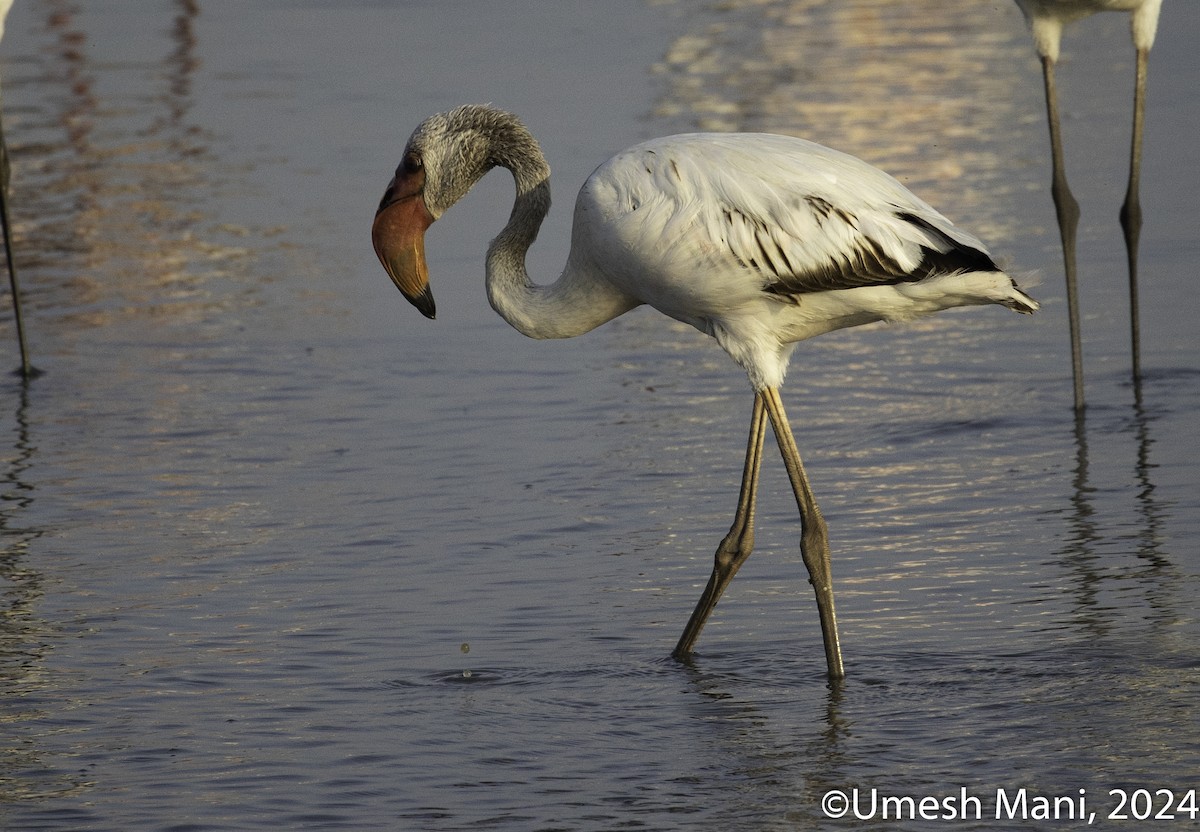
<point x="1131" y="214"/>
<point x="1067" y="209"/>
<point x="814" y="535"/>
<point x="737" y="545"/>
<point x="26" y="370"/>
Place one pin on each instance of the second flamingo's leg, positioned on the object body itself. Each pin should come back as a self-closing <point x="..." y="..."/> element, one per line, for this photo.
<point x="1131" y="210"/>
<point x="1067" y="209"/>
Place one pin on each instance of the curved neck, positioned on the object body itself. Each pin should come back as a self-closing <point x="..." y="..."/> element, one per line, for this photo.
<point x="579" y="301"/>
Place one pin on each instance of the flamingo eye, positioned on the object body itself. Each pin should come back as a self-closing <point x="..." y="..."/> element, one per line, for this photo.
<point x="411" y="163"/>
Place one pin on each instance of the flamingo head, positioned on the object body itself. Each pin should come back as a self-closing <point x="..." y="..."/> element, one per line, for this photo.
<point x="446" y="155"/>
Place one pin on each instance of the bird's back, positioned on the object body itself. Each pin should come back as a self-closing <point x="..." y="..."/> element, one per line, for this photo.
<point x="762" y="240"/>
<point x="714" y="218"/>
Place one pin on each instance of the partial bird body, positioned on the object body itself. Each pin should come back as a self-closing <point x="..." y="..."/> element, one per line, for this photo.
<point x="758" y="240"/>
<point x="763" y="240"/>
<point x="1046" y="20"/>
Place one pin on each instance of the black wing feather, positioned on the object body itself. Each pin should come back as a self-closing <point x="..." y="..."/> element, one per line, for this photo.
<point x="869" y="265"/>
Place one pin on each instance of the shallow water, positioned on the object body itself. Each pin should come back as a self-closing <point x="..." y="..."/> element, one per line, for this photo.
<point x="277" y="552"/>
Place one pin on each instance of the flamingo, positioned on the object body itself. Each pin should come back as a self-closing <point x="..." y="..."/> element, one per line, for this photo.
<point x="1046" y="20"/>
<point x="758" y="240"/>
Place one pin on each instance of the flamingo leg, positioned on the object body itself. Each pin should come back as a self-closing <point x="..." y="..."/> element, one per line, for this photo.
<point x="814" y="540"/>
<point x="26" y="370"/>
<point x="735" y="548"/>
<point x="1131" y="210"/>
<point x="1067" y="209"/>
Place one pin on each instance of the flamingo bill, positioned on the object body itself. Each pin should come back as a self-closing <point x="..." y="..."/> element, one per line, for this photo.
<point x="398" y="235"/>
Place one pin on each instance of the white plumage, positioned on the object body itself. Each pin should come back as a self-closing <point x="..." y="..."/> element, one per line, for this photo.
<point x="764" y="240"/>
<point x="757" y="240"/>
<point x="1048" y="17"/>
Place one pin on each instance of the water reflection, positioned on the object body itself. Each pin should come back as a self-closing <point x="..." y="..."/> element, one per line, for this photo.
<point x="20" y="587"/>
<point x="1152" y="512"/>
<point x="759" y="733"/>
<point x="181" y="65"/>
<point x="1084" y="536"/>
<point x="24" y="635"/>
<point x="117" y="179"/>
<point x="1139" y="565"/>
<point x="927" y="96"/>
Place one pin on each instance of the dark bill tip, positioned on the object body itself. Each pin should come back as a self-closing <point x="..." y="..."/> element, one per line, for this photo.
<point x="424" y="303"/>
